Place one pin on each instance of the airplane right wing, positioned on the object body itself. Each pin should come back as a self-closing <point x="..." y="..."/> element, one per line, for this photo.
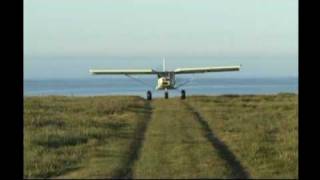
<point x="206" y="69"/>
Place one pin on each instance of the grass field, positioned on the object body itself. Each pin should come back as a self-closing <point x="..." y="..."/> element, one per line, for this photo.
<point x="248" y="136"/>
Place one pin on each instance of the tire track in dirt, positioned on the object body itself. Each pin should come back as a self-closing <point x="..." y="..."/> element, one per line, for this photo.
<point x="126" y="171"/>
<point x="237" y="170"/>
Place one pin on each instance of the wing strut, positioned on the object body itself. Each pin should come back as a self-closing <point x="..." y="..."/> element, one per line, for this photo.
<point x="139" y="80"/>
<point x="185" y="82"/>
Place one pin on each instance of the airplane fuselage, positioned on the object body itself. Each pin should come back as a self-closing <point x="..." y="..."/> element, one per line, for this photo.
<point x="166" y="80"/>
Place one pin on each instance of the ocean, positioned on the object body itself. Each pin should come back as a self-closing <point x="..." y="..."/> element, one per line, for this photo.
<point x="97" y="86"/>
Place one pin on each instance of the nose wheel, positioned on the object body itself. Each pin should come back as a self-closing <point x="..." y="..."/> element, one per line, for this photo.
<point x="183" y="94"/>
<point x="166" y="94"/>
<point x="149" y="95"/>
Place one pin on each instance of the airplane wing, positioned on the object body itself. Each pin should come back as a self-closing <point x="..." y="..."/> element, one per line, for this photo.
<point x="206" y="69"/>
<point x="122" y="71"/>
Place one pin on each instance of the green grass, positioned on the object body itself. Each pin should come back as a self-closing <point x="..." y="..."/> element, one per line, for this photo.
<point x="80" y="137"/>
<point x="125" y="136"/>
<point x="262" y="131"/>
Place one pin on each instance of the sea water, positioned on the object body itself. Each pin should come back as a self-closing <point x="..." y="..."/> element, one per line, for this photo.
<point x="126" y="86"/>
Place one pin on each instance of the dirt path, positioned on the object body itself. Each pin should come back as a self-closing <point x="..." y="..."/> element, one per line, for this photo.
<point x="173" y="140"/>
<point x="135" y="147"/>
<point x="175" y="147"/>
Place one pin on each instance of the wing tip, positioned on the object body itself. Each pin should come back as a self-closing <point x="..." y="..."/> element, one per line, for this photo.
<point x="91" y="71"/>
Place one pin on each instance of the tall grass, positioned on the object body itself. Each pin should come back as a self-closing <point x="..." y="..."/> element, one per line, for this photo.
<point x="261" y="130"/>
<point x="62" y="135"/>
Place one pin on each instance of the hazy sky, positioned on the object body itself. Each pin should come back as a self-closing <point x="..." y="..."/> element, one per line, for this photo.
<point x="91" y="32"/>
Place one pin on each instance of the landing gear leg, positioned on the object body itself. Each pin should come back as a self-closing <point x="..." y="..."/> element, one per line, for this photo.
<point x="166" y="94"/>
<point x="183" y="94"/>
<point x="149" y="95"/>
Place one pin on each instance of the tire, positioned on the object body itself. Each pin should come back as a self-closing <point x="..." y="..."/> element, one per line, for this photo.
<point x="149" y="95"/>
<point x="183" y="94"/>
<point x="166" y="95"/>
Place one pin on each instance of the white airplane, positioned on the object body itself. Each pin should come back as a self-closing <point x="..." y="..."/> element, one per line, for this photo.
<point x="166" y="79"/>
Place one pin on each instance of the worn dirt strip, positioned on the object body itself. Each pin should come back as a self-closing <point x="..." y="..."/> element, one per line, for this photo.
<point x="238" y="171"/>
<point x="135" y="147"/>
<point x="175" y="147"/>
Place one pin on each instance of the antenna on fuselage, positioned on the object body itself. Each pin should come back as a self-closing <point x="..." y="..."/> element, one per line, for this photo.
<point x="164" y="64"/>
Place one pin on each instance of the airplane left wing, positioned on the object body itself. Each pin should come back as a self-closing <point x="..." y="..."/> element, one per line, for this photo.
<point x="122" y="71"/>
<point x="206" y="69"/>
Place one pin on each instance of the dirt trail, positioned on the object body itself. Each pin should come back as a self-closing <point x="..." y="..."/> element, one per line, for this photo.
<point x="174" y="141"/>
<point x="175" y="146"/>
<point x="135" y="147"/>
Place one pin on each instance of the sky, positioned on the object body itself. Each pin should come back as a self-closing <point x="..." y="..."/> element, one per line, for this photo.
<point x="64" y="39"/>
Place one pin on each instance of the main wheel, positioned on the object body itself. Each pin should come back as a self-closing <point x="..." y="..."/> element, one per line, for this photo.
<point x="166" y="95"/>
<point x="183" y="94"/>
<point x="149" y="95"/>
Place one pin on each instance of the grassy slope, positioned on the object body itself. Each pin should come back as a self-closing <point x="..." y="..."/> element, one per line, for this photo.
<point x="115" y="137"/>
<point x="88" y="136"/>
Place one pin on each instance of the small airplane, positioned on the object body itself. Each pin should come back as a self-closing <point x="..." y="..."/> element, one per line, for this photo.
<point x="166" y="79"/>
